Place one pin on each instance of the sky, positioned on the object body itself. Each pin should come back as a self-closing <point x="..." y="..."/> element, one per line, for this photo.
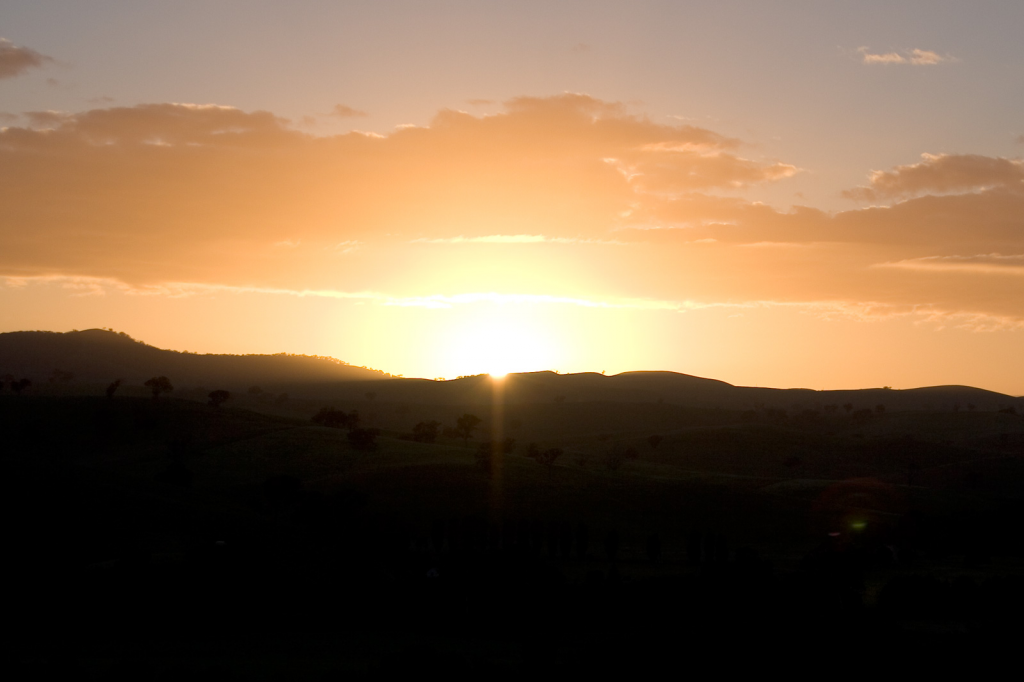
<point x="794" y="194"/>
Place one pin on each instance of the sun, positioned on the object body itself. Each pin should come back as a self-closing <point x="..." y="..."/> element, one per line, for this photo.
<point x="497" y="345"/>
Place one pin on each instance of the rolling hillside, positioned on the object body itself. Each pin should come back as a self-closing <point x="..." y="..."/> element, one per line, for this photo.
<point x="96" y="356"/>
<point x="84" y="362"/>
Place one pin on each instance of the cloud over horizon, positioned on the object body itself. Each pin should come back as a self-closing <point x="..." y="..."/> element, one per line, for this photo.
<point x="511" y="202"/>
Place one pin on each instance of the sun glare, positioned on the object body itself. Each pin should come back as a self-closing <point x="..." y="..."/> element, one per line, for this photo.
<point x="496" y="345"/>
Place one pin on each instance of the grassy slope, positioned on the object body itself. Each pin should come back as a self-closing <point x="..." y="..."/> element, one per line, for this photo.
<point x="757" y="482"/>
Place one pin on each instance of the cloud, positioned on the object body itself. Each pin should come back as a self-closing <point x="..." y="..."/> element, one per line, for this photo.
<point x="926" y="57"/>
<point x="863" y="311"/>
<point x="47" y="119"/>
<point x="164" y="193"/>
<point x="983" y="264"/>
<point x="887" y="58"/>
<point x="916" y="57"/>
<point x="345" y="111"/>
<point x="513" y="239"/>
<point x="103" y="285"/>
<point x="479" y="102"/>
<point x="943" y="173"/>
<point x="14" y="60"/>
<point x="157" y="191"/>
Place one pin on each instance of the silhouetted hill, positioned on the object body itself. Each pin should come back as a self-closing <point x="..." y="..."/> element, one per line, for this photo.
<point x="671" y="388"/>
<point x="96" y="356"/>
<point x="99" y="356"/>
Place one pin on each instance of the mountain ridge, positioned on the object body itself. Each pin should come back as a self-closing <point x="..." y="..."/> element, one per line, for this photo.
<point x="98" y="356"/>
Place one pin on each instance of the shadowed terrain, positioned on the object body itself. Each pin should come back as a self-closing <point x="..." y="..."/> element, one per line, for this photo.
<point x="562" y="528"/>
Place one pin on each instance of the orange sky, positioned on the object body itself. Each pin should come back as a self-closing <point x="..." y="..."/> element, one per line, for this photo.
<point x="579" y="230"/>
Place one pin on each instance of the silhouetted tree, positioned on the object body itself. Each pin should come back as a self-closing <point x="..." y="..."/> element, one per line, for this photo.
<point x="848" y="407"/>
<point x="363" y="439"/>
<point x="159" y="385"/>
<point x="112" y="388"/>
<point x="426" y="432"/>
<point x="862" y="416"/>
<point x="370" y="395"/>
<point x="336" y="419"/>
<point x="254" y="391"/>
<point x="654" y="441"/>
<point x="879" y="409"/>
<point x="466" y="425"/>
<point x="218" y="397"/>
<point x="20" y="385"/>
<point x="548" y="457"/>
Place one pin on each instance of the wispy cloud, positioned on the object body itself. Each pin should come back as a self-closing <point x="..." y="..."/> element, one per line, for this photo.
<point x="982" y="264"/>
<point x="513" y="239"/>
<point x="47" y="119"/>
<point x="915" y="57"/>
<point x="345" y="111"/>
<point x="347" y="246"/>
<point x="14" y="60"/>
<point x="102" y="285"/>
<point x="868" y="311"/>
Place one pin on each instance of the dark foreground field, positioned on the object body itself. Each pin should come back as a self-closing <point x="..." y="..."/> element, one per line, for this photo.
<point x="167" y="538"/>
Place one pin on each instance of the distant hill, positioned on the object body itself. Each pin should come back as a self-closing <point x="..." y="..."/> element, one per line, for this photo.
<point x="100" y="356"/>
<point x="96" y="356"/>
<point x="677" y="389"/>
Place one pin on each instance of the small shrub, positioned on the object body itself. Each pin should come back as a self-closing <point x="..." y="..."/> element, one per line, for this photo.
<point x="363" y="439"/>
